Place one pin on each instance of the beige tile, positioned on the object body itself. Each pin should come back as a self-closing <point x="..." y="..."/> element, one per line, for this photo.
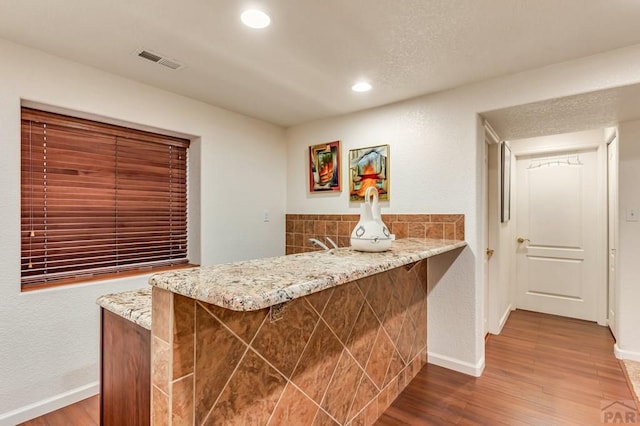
<point x="366" y="393"/>
<point x="420" y="274"/>
<point x="416" y="230"/>
<point x="323" y="419"/>
<point x="460" y="229"/>
<point x="340" y="395"/>
<point x="392" y="391"/>
<point x="421" y="330"/>
<point x="332" y="228"/>
<point x="294" y="408"/>
<point x="183" y="336"/>
<point x="435" y="231"/>
<point x="406" y="339"/>
<point x="414" y="218"/>
<point x="244" y="324"/>
<point x="400" y="229"/>
<point x="394" y="316"/>
<point x="217" y="354"/>
<point x="309" y="227"/>
<point x="161" y="311"/>
<point x="344" y="230"/>
<point x="320" y="228"/>
<point x="159" y="407"/>
<point x="403" y="283"/>
<point x="182" y="402"/>
<point x="383" y="400"/>
<point x="395" y="367"/>
<point x="251" y="395"/>
<point x="343" y="309"/>
<point x="359" y="420"/>
<point x="318" y="361"/>
<point x="363" y="335"/>
<point x="344" y="241"/>
<point x="377" y="290"/>
<point x="160" y="356"/>
<point x="445" y="217"/>
<point x="306" y="241"/>
<point x="449" y="231"/>
<point x="319" y="299"/>
<point x="389" y="218"/>
<point x="282" y="342"/>
<point x="371" y="413"/>
<point x="380" y="358"/>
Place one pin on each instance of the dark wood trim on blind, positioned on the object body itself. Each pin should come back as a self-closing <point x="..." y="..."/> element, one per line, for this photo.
<point x="97" y="127"/>
<point x="99" y="199"/>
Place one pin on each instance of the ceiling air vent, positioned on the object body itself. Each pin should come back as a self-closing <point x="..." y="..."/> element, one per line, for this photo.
<point x="159" y="59"/>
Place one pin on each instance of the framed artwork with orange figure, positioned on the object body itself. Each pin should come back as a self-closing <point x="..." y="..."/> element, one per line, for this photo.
<point x="369" y="167"/>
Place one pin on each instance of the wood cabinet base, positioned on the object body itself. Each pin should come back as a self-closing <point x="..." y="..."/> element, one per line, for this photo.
<point x="125" y="372"/>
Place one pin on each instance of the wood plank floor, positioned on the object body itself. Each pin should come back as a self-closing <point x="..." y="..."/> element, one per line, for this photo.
<point x="542" y="370"/>
<point x="83" y="413"/>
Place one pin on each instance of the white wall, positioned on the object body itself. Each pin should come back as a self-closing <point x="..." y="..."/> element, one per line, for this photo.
<point x="437" y="150"/>
<point x="628" y="289"/>
<point x="49" y="339"/>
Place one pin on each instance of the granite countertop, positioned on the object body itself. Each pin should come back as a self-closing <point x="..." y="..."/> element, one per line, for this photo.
<point x="259" y="283"/>
<point x="134" y="305"/>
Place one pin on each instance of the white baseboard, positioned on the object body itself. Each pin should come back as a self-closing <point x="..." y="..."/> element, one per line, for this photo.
<point x="456" y="364"/>
<point x="504" y="318"/>
<point x="501" y="322"/>
<point x="622" y="354"/>
<point x="48" y="405"/>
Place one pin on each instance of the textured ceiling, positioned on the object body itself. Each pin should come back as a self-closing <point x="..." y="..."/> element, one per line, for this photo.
<point x="301" y="68"/>
<point x="587" y="111"/>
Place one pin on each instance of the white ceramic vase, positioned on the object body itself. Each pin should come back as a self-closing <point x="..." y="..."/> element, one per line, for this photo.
<point x="371" y="234"/>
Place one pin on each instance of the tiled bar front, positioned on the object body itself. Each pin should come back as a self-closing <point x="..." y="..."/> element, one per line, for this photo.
<point x="336" y="357"/>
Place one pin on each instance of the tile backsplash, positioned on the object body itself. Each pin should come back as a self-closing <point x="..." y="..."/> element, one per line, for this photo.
<point x="301" y="227"/>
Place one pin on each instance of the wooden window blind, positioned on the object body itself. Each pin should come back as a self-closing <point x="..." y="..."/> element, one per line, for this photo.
<point x="99" y="199"/>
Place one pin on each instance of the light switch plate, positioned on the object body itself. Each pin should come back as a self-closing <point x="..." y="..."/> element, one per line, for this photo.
<point x="633" y="215"/>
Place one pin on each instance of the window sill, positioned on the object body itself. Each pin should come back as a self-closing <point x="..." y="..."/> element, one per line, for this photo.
<point x="34" y="287"/>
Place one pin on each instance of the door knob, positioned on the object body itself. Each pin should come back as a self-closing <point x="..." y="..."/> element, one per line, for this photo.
<point x="522" y="240"/>
<point x="489" y="252"/>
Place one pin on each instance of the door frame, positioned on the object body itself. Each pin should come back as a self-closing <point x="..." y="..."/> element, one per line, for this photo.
<point x="601" y="251"/>
<point x="493" y="319"/>
<point x="612" y="232"/>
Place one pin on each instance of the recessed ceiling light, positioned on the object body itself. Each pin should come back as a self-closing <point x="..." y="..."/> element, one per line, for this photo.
<point x="361" y="86"/>
<point x="255" y="18"/>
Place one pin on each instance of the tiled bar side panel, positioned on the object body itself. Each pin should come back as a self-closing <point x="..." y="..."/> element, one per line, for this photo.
<point x="301" y="227"/>
<point x="368" y="336"/>
<point x="172" y="358"/>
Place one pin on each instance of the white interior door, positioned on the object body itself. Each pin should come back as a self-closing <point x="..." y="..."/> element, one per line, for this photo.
<point x="557" y="226"/>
